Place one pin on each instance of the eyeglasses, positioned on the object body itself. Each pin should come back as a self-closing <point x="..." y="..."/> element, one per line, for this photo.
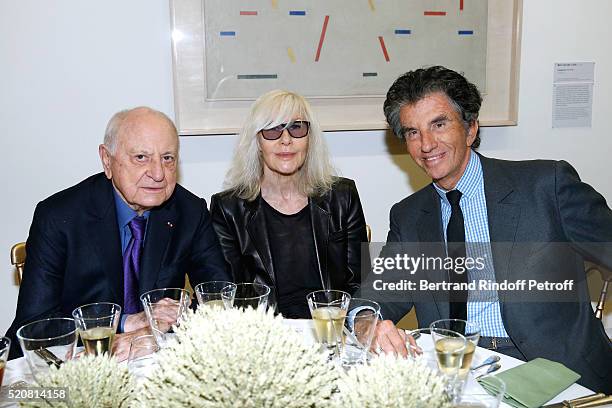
<point x="296" y="130"/>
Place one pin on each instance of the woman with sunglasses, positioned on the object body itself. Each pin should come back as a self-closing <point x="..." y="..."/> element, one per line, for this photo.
<point x="285" y="220"/>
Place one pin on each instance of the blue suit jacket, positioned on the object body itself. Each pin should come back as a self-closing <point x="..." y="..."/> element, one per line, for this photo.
<point x="74" y="251"/>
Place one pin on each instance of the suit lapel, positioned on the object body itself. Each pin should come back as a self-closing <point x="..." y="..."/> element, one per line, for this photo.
<point x="160" y="227"/>
<point x="503" y="209"/>
<point x="105" y="235"/>
<point x="431" y="238"/>
<point x="319" y="218"/>
<point x="256" y="227"/>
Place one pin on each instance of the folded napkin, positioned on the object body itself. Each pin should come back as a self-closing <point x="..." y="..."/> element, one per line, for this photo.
<point x="532" y="384"/>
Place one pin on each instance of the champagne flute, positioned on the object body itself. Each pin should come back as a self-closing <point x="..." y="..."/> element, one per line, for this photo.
<point x="328" y="309"/>
<point x="97" y="324"/>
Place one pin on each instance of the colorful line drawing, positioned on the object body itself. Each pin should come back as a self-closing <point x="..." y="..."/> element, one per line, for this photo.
<point x="460" y="5"/>
<point x="400" y="31"/>
<point x="248" y="13"/>
<point x="322" y="38"/>
<point x="372" y="5"/>
<point x="370" y="74"/>
<point x="297" y="13"/>
<point x="291" y="54"/>
<point x="435" y="13"/>
<point x="227" y="33"/>
<point x="257" y="76"/>
<point x="384" y="49"/>
<point x="275" y="4"/>
<point x="465" y="32"/>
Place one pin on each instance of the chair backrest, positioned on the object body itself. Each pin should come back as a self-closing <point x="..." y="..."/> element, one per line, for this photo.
<point x="18" y="257"/>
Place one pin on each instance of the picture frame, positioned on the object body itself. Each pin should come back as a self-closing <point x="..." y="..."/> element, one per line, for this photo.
<point x="198" y="115"/>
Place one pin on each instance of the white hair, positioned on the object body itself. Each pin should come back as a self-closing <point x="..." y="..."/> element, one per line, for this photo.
<point x="315" y="177"/>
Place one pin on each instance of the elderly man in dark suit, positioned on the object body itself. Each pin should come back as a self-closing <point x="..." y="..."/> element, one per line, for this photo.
<point x="120" y="233"/>
<point x="525" y="205"/>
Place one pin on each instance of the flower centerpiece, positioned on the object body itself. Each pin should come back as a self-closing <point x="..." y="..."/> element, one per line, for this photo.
<point x="238" y="358"/>
<point x="388" y="381"/>
<point x="91" y="381"/>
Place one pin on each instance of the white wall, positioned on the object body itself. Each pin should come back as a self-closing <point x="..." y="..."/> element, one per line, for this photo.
<point x="66" y="66"/>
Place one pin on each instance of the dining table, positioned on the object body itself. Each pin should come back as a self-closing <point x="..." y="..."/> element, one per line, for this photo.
<point x="17" y="371"/>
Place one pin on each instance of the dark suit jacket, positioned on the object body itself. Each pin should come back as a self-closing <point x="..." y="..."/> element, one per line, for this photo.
<point x="338" y="229"/>
<point x="530" y="202"/>
<point x="74" y="251"/>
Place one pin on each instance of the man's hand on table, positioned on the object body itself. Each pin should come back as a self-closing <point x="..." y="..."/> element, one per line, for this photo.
<point x="390" y="339"/>
<point x="164" y="312"/>
<point x="121" y="344"/>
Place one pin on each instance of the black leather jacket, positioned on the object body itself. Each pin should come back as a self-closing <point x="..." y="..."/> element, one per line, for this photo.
<point x="338" y="229"/>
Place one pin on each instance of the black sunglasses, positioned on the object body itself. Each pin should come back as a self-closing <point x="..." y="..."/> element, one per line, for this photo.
<point x="297" y="129"/>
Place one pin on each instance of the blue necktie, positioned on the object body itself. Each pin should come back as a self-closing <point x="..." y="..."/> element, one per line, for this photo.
<point x="131" y="266"/>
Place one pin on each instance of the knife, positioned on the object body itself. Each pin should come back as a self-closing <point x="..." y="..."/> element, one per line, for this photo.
<point x="48" y="357"/>
<point x="572" y="403"/>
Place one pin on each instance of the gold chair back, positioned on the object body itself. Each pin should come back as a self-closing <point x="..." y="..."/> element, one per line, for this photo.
<point x="18" y="257"/>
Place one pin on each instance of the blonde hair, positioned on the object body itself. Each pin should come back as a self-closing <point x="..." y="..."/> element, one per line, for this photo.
<point x="315" y="177"/>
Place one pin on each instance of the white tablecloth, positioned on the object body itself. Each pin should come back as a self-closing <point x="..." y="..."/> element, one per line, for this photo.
<point x="18" y="370"/>
<point x="574" y="391"/>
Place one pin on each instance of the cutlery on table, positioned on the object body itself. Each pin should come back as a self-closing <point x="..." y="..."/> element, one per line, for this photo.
<point x="491" y="369"/>
<point x="488" y="361"/>
<point x="593" y="400"/>
<point x="48" y="357"/>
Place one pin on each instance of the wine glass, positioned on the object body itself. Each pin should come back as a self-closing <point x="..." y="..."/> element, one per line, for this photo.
<point x="254" y="295"/>
<point x="209" y="293"/>
<point x="328" y="309"/>
<point x="97" y="324"/>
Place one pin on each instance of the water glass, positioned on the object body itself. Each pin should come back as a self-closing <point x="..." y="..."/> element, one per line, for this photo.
<point x="47" y="342"/>
<point x="328" y="309"/>
<point x="359" y="328"/>
<point x="97" y="324"/>
<point x="479" y="398"/>
<point x="254" y="295"/>
<point x="142" y="359"/>
<point x="5" y="346"/>
<point x="209" y="293"/>
<point x="165" y="308"/>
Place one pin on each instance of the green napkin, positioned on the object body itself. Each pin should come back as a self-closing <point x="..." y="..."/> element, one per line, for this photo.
<point x="532" y="384"/>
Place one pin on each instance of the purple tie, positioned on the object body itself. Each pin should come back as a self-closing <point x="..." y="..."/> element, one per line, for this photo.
<point x="131" y="266"/>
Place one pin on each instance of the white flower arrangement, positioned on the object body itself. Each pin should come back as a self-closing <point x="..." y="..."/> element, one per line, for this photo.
<point x="235" y="358"/>
<point x="391" y="382"/>
<point x="92" y="382"/>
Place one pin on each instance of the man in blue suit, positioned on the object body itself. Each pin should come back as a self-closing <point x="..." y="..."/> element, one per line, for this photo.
<point x="80" y="237"/>
<point x="518" y="210"/>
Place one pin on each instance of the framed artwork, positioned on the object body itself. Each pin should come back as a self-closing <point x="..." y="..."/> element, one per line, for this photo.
<point x="341" y="55"/>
